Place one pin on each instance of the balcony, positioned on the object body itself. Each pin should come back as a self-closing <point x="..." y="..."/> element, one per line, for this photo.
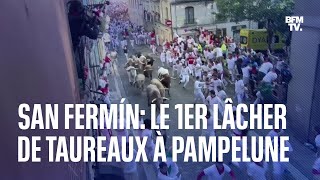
<point x="190" y="22"/>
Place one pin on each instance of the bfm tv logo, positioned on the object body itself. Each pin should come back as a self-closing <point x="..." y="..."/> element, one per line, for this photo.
<point x="294" y="22"/>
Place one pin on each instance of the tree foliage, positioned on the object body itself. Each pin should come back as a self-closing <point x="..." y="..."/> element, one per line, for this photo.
<point x="257" y="10"/>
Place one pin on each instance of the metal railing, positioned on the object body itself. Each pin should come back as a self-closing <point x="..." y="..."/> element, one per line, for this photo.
<point x="190" y="22"/>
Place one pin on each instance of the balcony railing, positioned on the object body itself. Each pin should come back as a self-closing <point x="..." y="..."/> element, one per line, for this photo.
<point x="190" y="22"/>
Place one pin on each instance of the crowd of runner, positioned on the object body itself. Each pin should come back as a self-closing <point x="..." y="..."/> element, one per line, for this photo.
<point x="215" y="63"/>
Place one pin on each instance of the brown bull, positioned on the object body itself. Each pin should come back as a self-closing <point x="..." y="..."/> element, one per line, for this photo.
<point x="166" y="82"/>
<point x="147" y="71"/>
<point x="154" y="96"/>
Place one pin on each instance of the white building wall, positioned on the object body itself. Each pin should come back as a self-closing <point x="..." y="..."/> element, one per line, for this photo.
<point x="136" y="11"/>
<point x="202" y="14"/>
<point x="228" y="26"/>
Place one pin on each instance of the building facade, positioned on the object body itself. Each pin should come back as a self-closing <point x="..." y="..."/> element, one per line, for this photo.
<point x="136" y="11"/>
<point x="182" y="17"/>
<point x="303" y="91"/>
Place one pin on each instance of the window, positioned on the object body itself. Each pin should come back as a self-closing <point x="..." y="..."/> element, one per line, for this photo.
<point x="189" y="11"/>
<point x="167" y="13"/>
<point x="243" y="40"/>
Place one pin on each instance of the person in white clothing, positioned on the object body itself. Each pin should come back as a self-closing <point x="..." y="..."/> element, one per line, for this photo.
<point x="130" y="168"/>
<point x="215" y="82"/>
<point x="176" y="69"/>
<point x="221" y="93"/>
<point x="173" y="168"/>
<point x="270" y="77"/>
<point x="147" y="132"/>
<point x="210" y="131"/>
<point x="198" y="90"/>
<point x="185" y="75"/>
<point x="280" y="167"/>
<point x="198" y="60"/>
<point x="168" y="57"/>
<point x="163" y="173"/>
<point x="246" y="74"/>
<point x="163" y="57"/>
<point x="217" y="51"/>
<point x="213" y="99"/>
<point x="197" y="70"/>
<point x="122" y="133"/>
<point x="231" y="61"/>
<point x="132" y="43"/>
<point x="264" y="69"/>
<point x="239" y="89"/>
<point x="216" y="172"/>
<point x="257" y="170"/>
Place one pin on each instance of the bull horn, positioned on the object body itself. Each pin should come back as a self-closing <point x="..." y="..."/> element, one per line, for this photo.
<point x="153" y="100"/>
<point x="173" y="78"/>
<point x="165" y="98"/>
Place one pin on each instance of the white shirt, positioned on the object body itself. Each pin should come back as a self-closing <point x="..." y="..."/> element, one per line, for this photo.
<point x="237" y="131"/>
<point x="210" y="129"/>
<point x="210" y="55"/>
<point x="199" y="61"/>
<point x="246" y="71"/>
<point x="215" y="100"/>
<point x="266" y="67"/>
<point x="213" y="173"/>
<point x="219" y="67"/>
<point x="231" y="63"/>
<point x="185" y="71"/>
<point x="215" y="83"/>
<point x="162" y="55"/>
<point x="205" y="68"/>
<point x="190" y="41"/>
<point x="198" y="86"/>
<point x="222" y="95"/>
<point x="257" y="172"/>
<point x="218" y="52"/>
<point x="270" y="77"/>
<point x="198" y="69"/>
<point x="102" y="83"/>
<point x="232" y="47"/>
<point x="239" y="87"/>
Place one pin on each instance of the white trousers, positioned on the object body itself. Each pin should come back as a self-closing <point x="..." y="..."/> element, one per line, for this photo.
<point x="185" y="80"/>
<point x="240" y="97"/>
<point x="199" y="95"/>
<point x="191" y="66"/>
<point x="131" y="78"/>
<point x="232" y="73"/>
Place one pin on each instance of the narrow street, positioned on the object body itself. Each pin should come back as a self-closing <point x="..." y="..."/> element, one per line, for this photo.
<point x="179" y="95"/>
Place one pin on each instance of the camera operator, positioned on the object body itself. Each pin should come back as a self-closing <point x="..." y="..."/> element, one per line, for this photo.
<point x="81" y="23"/>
